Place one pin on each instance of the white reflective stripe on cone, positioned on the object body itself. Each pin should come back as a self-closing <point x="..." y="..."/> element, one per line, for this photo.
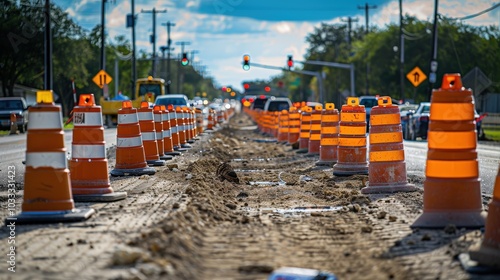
<point x="127" y="118"/>
<point x="88" y="151"/>
<point x="45" y="120"/>
<point x="158" y="117"/>
<point x="165" y="117"/>
<point x="148" y="136"/>
<point x="159" y="135"/>
<point x="87" y="119"/>
<point x="129" y="141"/>
<point x="145" y="116"/>
<point x="47" y="159"/>
<point x="174" y="129"/>
<point x="166" y="133"/>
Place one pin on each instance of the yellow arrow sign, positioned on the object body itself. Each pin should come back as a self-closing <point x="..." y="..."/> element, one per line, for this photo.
<point x="102" y="78"/>
<point x="416" y="76"/>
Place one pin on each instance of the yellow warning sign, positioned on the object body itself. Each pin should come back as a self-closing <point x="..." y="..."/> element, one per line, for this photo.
<point x="102" y="78"/>
<point x="416" y="76"/>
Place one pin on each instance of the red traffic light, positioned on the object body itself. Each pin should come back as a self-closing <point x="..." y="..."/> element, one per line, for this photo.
<point x="224" y="89"/>
<point x="290" y="62"/>
<point x="267" y="89"/>
<point x="246" y="86"/>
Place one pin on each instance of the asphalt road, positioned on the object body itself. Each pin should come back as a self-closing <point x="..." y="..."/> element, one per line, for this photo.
<point x="13" y="148"/>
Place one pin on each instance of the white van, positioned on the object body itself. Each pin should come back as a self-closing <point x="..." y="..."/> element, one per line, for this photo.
<point x="177" y="100"/>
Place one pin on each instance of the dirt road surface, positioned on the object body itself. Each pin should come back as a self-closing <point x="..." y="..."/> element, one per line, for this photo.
<point x="185" y="223"/>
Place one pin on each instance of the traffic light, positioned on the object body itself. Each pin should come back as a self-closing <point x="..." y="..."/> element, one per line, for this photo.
<point x="267" y="89"/>
<point x="290" y="62"/>
<point x="246" y="86"/>
<point x="246" y="62"/>
<point x="184" y="60"/>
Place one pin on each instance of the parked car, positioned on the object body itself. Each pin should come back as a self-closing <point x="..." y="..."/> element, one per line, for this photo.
<point x="277" y="104"/>
<point x="17" y="105"/>
<point x="369" y="102"/>
<point x="405" y="111"/>
<point x="419" y="121"/>
<point x="177" y="100"/>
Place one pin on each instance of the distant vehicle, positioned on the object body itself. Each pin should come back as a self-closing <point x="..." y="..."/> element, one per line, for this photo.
<point x="405" y="111"/>
<point x="259" y="102"/>
<point x="177" y="100"/>
<point x="418" y="122"/>
<point x="369" y="102"/>
<point x="16" y="105"/>
<point x="277" y="104"/>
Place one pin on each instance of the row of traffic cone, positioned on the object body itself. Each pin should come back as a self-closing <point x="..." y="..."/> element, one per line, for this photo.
<point x="144" y="136"/>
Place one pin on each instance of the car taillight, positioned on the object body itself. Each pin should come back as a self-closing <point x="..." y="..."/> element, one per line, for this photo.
<point x="423" y="119"/>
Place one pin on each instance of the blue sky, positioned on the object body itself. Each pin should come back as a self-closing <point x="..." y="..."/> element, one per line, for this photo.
<point x="269" y="30"/>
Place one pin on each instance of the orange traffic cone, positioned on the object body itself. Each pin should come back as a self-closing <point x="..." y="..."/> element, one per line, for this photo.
<point x="452" y="190"/>
<point x="199" y="121"/>
<point x="329" y="135"/>
<point x="283" y="127"/>
<point x="130" y="157"/>
<point x="387" y="167"/>
<point x="305" y="129"/>
<point x="352" y="140"/>
<point x="174" y="130"/>
<point x="88" y="165"/>
<point x="168" y="143"/>
<point x="148" y="135"/>
<point x="488" y="253"/>
<point x="182" y="128"/>
<point x="158" y="118"/>
<point x="293" y="125"/>
<point x="13" y="124"/>
<point x="47" y="191"/>
<point x="315" y="131"/>
<point x="210" y="121"/>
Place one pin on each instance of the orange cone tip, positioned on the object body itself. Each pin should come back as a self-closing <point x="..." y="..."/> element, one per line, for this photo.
<point x="126" y="104"/>
<point x="86" y="100"/>
<point x="144" y="104"/>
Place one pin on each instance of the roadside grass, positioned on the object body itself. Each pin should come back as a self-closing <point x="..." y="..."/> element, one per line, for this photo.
<point x="492" y="134"/>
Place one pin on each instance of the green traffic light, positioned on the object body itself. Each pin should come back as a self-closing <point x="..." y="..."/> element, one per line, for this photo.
<point x="246" y="67"/>
<point x="184" y="62"/>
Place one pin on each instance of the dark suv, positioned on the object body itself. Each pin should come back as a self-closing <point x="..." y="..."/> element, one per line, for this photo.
<point x="259" y="102"/>
<point x="16" y="105"/>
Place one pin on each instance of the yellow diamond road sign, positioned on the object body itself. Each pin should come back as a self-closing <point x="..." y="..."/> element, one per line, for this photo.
<point x="102" y="78"/>
<point x="416" y="76"/>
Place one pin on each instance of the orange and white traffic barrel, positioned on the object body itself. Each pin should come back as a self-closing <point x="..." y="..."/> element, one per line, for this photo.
<point x="329" y="135"/>
<point x="199" y="121"/>
<point x="387" y="166"/>
<point x="315" y="130"/>
<point x="293" y="125"/>
<point x="189" y="116"/>
<point x="488" y="252"/>
<point x="351" y="157"/>
<point x="305" y="129"/>
<point x="88" y="165"/>
<point x="182" y="127"/>
<point x="171" y="132"/>
<point x="283" y="127"/>
<point x="130" y="157"/>
<point x="210" y="121"/>
<point x="13" y="124"/>
<point x="452" y="189"/>
<point x="158" y="119"/>
<point x="47" y="188"/>
<point x="148" y="134"/>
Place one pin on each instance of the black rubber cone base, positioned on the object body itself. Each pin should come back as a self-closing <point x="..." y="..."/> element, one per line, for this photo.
<point x="389" y="188"/>
<point x="47" y="217"/>
<point x="133" y="172"/>
<point x="186" y="146"/>
<point x="190" y="141"/>
<point x="325" y="163"/>
<point x="460" y="218"/>
<point x="173" y="154"/>
<point x="166" y="157"/>
<point x="472" y="266"/>
<point x="107" y="197"/>
<point x="156" y="162"/>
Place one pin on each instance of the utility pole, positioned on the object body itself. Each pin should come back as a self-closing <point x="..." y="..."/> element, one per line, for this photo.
<point x="169" y="49"/>
<point x="401" y="52"/>
<point x="134" y="71"/>
<point x="182" y="44"/>
<point x="434" y="64"/>
<point x="192" y="56"/>
<point x="367" y="7"/>
<point x="349" y="29"/>
<point x="48" y="48"/>
<point x="153" y="37"/>
<point x="103" y="36"/>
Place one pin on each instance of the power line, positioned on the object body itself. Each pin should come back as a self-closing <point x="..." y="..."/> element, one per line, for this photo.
<point x="480" y="13"/>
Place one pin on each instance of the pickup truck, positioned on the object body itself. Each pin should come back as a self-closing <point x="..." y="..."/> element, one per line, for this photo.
<point x="16" y="105"/>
